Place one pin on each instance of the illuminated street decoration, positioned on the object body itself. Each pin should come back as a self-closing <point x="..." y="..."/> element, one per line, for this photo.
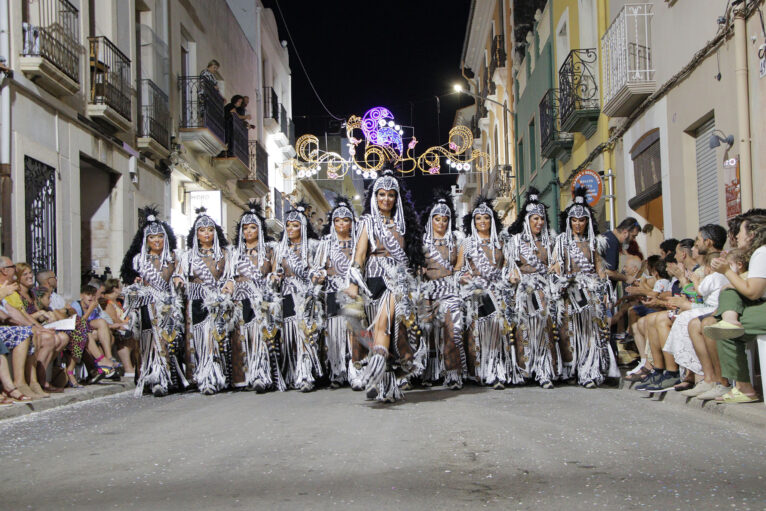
<point x="376" y="139"/>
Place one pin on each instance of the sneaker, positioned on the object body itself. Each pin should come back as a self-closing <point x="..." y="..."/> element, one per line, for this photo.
<point x="547" y="384"/>
<point x="652" y="378"/>
<point x="666" y="382"/>
<point x="717" y="391"/>
<point x="498" y="386"/>
<point x="698" y="389"/>
<point x="724" y="330"/>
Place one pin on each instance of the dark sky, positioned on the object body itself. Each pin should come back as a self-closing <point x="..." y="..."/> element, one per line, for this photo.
<point x="397" y="54"/>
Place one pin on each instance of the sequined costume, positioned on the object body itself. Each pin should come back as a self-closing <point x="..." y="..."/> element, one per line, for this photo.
<point x="302" y="313"/>
<point x="387" y="281"/>
<point x="582" y="293"/>
<point x="442" y="321"/>
<point x="155" y="309"/>
<point x="332" y="264"/>
<point x="209" y="310"/>
<point x="255" y="341"/>
<point x="488" y="344"/>
<point x="529" y="256"/>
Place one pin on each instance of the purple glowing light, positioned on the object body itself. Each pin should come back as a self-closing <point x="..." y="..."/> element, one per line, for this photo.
<point x="378" y="133"/>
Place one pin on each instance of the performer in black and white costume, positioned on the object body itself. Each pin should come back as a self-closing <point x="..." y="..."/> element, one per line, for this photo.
<point x="582" y="291"/>
<point x="529" y="255"/>
<point x="388" y="250"/>
<point x="154" y="306"/>
<point x="443" y="322"/>
<point x="255" y="341"/>
<point x="302" y="308"/>
<point x="332" y="265"/>
<point x="210" y="310"/>
<point x="485" y="288"/>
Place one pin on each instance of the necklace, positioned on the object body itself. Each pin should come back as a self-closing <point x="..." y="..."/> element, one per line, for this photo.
<point x="205" y="252"/>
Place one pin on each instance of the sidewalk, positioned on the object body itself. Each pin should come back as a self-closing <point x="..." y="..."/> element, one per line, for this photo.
<point x="753" y="414"/>
<point x="68" y="397"/>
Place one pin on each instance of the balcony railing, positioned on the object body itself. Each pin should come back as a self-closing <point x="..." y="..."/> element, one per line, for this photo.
<point x="578" y="91"/>
<point x="55" y="36"/>
<point x="270" y="104"/>
<point x="554" y="143"/>
<point x="259" y="162"/>
<point x="201" y="105"/>
<point x="236" y="139"/>
<point x="109" y="76"/>
<point x="498" y="54"/>
<point x="154" y="114"/>
<point x="627" y="66"/>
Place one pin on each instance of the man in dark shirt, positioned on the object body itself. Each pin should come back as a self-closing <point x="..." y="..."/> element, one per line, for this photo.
<point x="624" y="233"/>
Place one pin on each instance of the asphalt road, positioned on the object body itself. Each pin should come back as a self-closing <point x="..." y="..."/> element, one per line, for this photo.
<point x="521" y="448"/>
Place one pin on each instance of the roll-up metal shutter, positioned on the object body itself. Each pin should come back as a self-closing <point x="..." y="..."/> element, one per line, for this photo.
<point x="707" y="175"/>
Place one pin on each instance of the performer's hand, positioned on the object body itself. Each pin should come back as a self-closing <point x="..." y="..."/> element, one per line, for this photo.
<point x="352" y="291"/>
<point x="138" y="280"/>
<point x="228" y="288"/>
<point x="178" y="282"/>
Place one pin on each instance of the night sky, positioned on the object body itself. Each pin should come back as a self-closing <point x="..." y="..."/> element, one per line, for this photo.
<point x="397" y="54"/>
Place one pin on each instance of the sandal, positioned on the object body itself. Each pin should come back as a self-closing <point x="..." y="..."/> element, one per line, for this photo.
<point x="72" y="382"/>
<point x="684" y="385"/>
<point x="640" y="375"/>
<point x="6" y="402"/>
<point x="21" y="397"/>
<point x="737" y="396"/>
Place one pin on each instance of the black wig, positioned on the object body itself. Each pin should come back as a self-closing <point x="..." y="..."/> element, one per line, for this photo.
<point x="339" y="199"/>
<point x="441" y="194"/>
<point x="222" y="241"/>
<point x="468" y="218"/>
<point x="517" y="227"/>
<point x="253" y="207"/>
<point x="127" y="273"/>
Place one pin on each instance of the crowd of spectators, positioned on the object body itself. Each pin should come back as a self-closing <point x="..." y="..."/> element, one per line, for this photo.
<point x="47" y="344"/>
<point x="686" y="313"/>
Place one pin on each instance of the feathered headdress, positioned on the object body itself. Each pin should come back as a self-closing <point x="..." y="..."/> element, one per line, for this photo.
<point x="532" y="206"/>
<point x="343" y="208"/>
<point x="442" y="205"/>
<point x="205" y="220"/>
<point x="579" y="208"/>
<point x="298" y="214"/>
<point x="482" y="206"/>
<point x="150" y="225"/>
<point x="253" y="215"/>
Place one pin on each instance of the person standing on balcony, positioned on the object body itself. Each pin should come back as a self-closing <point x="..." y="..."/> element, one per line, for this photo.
<point x="230" y="117"/>
<point x="210" y="311"/>
<point x="254" y="344"/>
<point x="208" y="74"/>
<point x="155" y="307"/>
<point x="243" y="114"/>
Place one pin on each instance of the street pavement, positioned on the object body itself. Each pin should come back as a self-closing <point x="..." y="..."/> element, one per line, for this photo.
<point x="521" y="448"/>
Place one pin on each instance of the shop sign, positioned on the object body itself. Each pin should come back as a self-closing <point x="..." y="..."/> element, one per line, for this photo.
<point x="591" y="181"/>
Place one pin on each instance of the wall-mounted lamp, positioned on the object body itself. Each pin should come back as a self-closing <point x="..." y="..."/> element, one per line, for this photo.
<point x="715" y="140"/>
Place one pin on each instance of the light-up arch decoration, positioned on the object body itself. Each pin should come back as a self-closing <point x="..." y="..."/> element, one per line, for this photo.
<point x="375" y="139"/>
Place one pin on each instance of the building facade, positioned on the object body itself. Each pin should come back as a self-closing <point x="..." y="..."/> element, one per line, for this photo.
<point x="104" y="111"/>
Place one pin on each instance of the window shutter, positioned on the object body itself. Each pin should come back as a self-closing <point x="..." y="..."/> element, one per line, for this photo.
<point x="707" y="175"/>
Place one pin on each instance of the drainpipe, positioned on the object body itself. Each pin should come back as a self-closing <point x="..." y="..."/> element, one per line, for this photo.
<point x="5" y="130"/>
<point x="743" y="113"/>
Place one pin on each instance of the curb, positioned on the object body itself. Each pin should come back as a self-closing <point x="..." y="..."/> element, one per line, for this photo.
<point x="68" y="397"/>
<point x="752" y="414"/>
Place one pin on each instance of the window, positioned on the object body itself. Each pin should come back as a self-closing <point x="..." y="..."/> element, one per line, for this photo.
<point x="40" y="201"/>
<point x="647" y="170"/>
<point x="521" y="160"/>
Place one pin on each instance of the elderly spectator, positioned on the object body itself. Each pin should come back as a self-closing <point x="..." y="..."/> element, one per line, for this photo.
<point x="46" y="342"/>
<point x="47" y="279"/>
<point x="208" y="74"/>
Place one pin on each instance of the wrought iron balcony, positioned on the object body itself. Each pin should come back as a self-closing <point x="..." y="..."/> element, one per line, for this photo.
<point x="110" y="92"/>
<point x="554" y="143"/>
<point x="626" y="60"/>
<point x="498" y="55"/>
<point x="578" y="92"/>
<point x="202" y="117"/>
<point x="153" y="119"/>
<point x="51" y="52"/>
<point x="235" y="159"/>
<point x="259" y="163"/>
